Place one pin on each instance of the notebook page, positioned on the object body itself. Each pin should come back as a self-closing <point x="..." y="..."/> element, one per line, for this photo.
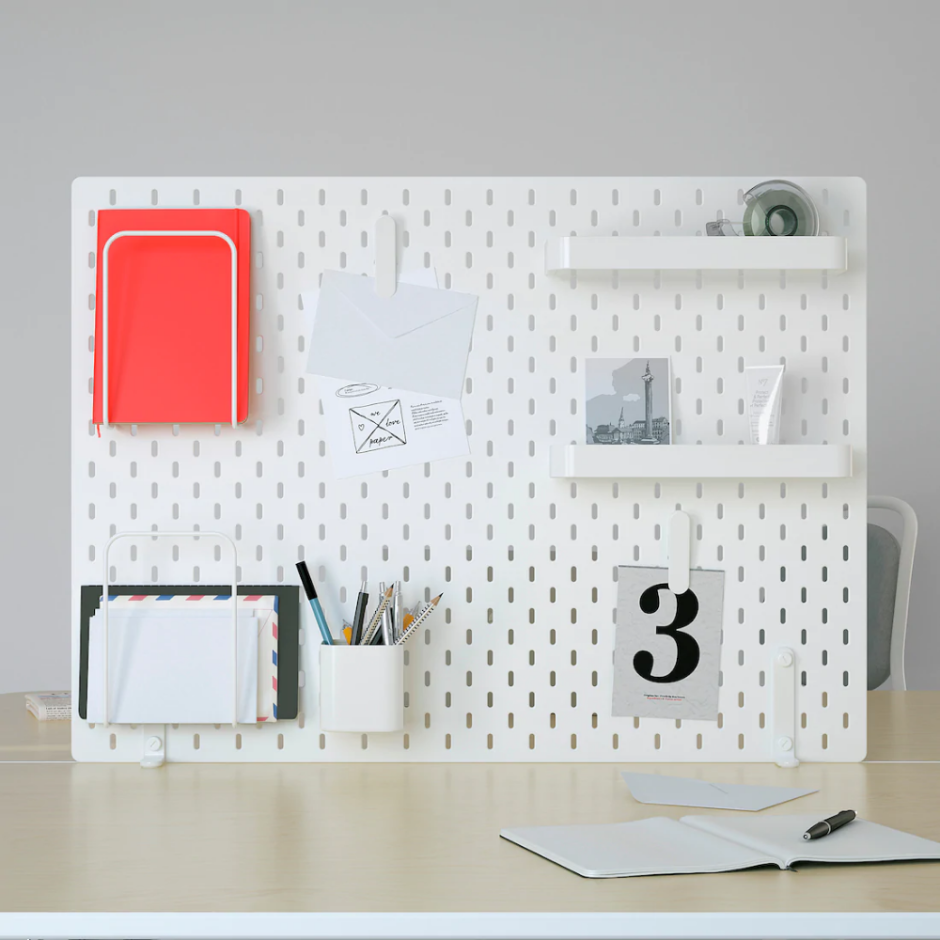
<point x="782" y="838"/>
<point x="656" y="846"/>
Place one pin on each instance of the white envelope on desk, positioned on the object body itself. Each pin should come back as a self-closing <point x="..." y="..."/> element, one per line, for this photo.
<point x="418" y="339"/>
<point x="689" y="791"/>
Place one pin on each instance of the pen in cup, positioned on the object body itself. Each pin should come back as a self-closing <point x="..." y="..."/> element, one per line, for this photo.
<point x="396" y="613"/>
<point x="360" y="615"/>
<point x="386" y="616"/>
<point x="311" y="593"/>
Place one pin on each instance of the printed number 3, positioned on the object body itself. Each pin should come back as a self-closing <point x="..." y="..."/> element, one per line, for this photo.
<point x="687" y="650"/>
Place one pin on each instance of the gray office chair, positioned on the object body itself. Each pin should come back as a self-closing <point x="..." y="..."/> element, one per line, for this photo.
<point x="890" y="565"/>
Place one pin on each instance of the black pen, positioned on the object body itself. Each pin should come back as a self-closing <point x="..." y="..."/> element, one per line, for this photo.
<point x="360" y="615"/>
<point x="820" y="829"/>
<point x="311" y="593"/>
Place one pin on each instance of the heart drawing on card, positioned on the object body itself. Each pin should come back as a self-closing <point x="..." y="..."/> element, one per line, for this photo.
<point x="377" y="426"/>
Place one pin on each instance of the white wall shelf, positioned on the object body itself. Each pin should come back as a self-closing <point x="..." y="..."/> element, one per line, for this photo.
<point x="694" y="253"/>
<point x="701" y="462"/>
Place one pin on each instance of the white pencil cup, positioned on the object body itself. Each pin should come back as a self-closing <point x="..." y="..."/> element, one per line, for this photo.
<point x="362" y="688"/>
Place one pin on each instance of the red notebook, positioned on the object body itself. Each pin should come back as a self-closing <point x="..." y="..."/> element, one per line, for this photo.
<point x="169" y="315"/>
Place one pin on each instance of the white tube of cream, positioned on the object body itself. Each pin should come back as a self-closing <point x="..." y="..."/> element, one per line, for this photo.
<point x="764" y="395"/>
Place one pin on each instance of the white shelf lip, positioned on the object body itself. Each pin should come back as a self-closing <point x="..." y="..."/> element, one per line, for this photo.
<point x="694" y="253"/>
<point x="701" y="461"/>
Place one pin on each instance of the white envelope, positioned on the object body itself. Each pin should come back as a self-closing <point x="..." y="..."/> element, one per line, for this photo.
<point x="689" y="791"/>
<point x="172" y="666"/>
<point x="418" y="339"/>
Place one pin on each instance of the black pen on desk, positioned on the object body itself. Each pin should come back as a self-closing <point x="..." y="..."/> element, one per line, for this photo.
<point x="820" y="829"/>
<point x="359" y="617"/>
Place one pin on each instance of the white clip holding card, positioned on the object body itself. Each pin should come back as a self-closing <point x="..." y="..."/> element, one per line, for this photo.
<point x="386" y="260"/>
<point x="679" y="547"/>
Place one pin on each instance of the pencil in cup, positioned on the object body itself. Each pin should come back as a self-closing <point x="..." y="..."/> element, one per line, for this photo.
<point x="377" y="617"/>
<point x="410" y="629"/>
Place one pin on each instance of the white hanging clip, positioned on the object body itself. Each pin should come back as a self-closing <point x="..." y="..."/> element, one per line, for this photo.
<point x="679" y="547"/>
<point x="386" y="260"/>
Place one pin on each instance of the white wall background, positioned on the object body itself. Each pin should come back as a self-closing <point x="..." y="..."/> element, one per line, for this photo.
<point x="388" y="88"/>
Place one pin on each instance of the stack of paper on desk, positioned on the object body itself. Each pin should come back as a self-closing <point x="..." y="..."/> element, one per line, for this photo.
<point x="390" y="370"/>
<point x="173" y="666"/>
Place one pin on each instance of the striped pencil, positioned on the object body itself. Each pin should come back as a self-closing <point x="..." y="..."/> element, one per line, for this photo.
<point x="419" y="620"/>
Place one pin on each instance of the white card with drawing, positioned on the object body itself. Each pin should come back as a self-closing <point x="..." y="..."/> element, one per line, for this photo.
<point x="668" y="646"/>
<point x="371" y="428"/>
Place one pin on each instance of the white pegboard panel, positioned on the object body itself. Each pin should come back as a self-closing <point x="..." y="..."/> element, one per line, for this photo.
<point x="518" y="666"/>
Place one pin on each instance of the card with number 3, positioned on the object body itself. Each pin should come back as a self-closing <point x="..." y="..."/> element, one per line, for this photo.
<point x="668" y="646"/>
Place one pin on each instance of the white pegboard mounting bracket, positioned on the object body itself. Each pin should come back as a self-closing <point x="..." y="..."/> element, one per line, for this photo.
<point x="783" y="715"/>
<point x="154" y="754"/>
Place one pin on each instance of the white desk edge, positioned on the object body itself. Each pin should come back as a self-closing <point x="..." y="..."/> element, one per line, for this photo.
<point x="607" y="926"/>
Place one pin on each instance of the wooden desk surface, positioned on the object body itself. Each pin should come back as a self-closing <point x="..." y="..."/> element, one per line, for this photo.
<point x="904" y="726"/>
<point x="400" y="837"/>
<point x="419" y="838"/>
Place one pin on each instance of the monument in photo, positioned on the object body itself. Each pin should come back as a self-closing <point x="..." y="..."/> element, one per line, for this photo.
<point x="628" y="401"/>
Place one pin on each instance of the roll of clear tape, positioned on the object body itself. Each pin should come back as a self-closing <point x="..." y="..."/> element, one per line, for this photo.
<point x="775" y="208"/>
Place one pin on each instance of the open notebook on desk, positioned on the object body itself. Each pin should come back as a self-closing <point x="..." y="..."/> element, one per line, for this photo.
<point x="700" y="844"/>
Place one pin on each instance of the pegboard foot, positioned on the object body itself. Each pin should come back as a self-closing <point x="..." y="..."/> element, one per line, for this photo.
<point x="154" y="747"/>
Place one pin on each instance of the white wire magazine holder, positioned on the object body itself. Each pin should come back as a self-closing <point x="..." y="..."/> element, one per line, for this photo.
<point x="157" y="753"/>
<point x="209" y="233"/>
